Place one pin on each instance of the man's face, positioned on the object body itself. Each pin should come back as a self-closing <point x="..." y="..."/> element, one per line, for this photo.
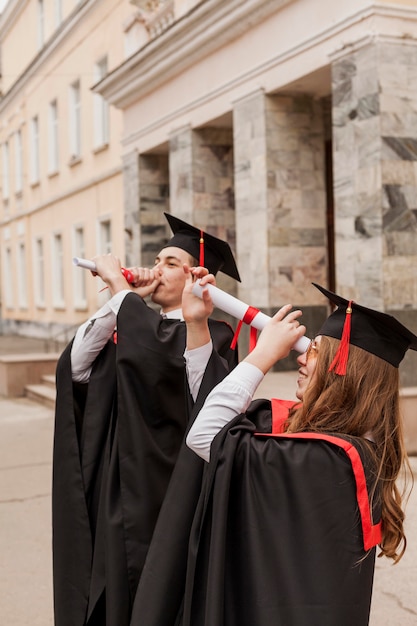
<point x="170" y="263"/>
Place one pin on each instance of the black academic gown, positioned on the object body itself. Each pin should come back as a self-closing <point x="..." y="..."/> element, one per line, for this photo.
<point x="116" y="444"/>
<point x="283" y="534"/>
<point x="160" y="593"/>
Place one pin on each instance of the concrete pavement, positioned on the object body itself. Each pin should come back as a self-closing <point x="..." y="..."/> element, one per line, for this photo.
<point x="26" y="433"/>
<point x="26" y="430"/>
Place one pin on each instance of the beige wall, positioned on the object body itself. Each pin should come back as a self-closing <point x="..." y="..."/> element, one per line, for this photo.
<point x="79" y="193"/>
<point x="20" y="44"/>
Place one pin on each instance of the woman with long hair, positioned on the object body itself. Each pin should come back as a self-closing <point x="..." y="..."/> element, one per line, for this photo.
<point x="297" y="496"/>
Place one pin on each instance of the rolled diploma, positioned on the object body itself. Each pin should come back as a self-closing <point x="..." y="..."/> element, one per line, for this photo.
<point x="90" y="265"/>
<point x="231" y="305"/>
<point x="85" y="263"/>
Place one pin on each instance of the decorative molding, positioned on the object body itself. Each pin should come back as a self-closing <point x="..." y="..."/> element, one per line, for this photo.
<point x="203" y="30"/>
<point x="11" y="12"/>
<point x="405" y="40"/>
<point x="50" y="46"/>
<point x="66" y="194"/>
<point x="157" y="15"/>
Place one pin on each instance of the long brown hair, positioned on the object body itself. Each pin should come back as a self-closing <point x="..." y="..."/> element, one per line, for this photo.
<point x="364" y="401"/>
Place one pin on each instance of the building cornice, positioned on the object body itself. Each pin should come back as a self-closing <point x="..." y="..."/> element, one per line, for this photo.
<point x="381" y="10"/>
<point x="210" y="25"/>
<point x="8" y="17"/>
<point x="48" y="49"/>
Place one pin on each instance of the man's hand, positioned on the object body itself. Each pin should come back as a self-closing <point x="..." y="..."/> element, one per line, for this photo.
<point x="145" y="280"/>
<point x="195" y="310"/>
<point x="110" y="271"/>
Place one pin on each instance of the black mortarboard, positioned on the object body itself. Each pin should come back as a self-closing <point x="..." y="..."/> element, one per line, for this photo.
<point x="211" y="252"/>
<point x="378" y="333"/>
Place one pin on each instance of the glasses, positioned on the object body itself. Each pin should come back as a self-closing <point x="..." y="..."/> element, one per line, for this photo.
<point x="312" y="350"/>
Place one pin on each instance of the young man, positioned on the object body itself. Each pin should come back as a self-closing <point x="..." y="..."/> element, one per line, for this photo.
<point x="121" y="414"/>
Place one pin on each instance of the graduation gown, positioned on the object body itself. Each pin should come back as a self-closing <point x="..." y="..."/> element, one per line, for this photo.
<point x="283" y="532"/>
<point x="160" y="593"/>
<point x="115" y="446"/>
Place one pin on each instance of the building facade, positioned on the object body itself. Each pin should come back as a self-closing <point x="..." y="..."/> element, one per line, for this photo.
<point x="61" y="172"/>
<point x="286" y="126"/>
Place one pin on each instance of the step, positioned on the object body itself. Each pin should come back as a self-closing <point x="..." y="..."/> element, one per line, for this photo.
<point x="48" y="380"/>
<point x="44" y="394"/>
<point x="19" y="370"/>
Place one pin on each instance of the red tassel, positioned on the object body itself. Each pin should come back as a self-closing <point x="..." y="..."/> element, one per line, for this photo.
<point x="201" y="248"/>
<point x="339" y="362"/>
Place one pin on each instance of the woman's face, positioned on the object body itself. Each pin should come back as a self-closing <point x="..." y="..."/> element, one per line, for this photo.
<point x="307" y="362"/>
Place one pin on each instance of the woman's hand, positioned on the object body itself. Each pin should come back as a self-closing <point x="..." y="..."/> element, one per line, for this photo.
<point x="277" y="338"/>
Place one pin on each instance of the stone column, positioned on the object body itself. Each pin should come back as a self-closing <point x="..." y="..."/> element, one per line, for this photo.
<point x="251" y="193"/>
<point x="146" y="193"/>
<point x="202" y="185"/>
<point x="375" y="180"/>
<point x="281" y="202"/>
<point x="131" y="207"/>
<point x="181" y="174"/>
<point x="153" y="202"/>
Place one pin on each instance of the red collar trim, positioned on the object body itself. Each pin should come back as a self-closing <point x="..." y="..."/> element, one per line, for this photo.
<point x="372" y="533"/>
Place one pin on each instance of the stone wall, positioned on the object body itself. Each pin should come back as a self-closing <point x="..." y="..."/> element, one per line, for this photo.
<point x="375" y="180"/>
<point x="154" y="202"/>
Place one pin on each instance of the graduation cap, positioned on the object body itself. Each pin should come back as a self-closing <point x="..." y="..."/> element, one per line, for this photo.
<point x="212" y="252"/>
<point x="378" y="333"/>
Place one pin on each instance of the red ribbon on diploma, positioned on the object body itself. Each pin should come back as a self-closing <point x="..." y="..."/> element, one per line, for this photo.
<point x="250" y="314"/>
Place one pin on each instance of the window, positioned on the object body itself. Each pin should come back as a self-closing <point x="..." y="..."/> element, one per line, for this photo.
<point x="104" y="243"/>
<point x="34" y="150"/>
<point x="18" y="162"/>
<point x="53" y="157"/>
<point x="39" y="268"/>
<point x="101" y="108"/>
<point x="58" y="271"/>
<point x="6" y="170"/>
<point x="104" y="246"/>
<point x="21" y="276"/>
<point x="8" y="278"/>
<point x="75" y="120"/>
<point x="41" y="24"/>
<point x="80" y="276"/>
<point x="58" y="12"/>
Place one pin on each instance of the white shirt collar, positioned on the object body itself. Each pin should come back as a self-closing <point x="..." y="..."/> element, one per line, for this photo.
<point x="176" y="314"/>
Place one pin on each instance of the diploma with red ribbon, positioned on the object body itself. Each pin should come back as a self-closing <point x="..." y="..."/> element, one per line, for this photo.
<point x="223" y="301"/>
<point x="243" y="312"/>
<point x="90" y="265"/>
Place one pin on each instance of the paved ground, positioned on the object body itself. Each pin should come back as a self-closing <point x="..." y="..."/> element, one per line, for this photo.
<point x="26" y="432"/>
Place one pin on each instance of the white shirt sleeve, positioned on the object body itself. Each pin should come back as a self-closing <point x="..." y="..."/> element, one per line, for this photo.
<point x="195" y="365"/>
<point x="229" y="398"/>
<point x="92" y="336"/>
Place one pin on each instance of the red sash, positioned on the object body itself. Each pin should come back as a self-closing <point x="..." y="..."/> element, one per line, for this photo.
<point x="372" y="533"/>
